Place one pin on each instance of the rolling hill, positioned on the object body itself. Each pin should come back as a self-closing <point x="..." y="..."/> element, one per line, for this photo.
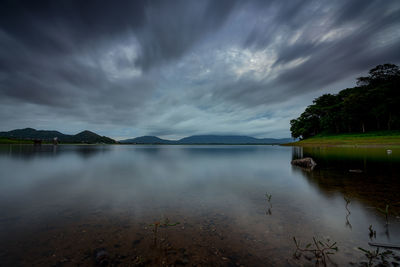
<point x="207" y="139"/>
<point x="86" y="137"/>
<point x="146" y="140"/>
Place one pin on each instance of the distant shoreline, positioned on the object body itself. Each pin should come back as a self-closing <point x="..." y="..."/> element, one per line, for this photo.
<point x="372" y="139"/>
<point x="30" y="135"/>
<point x="29" y="142"/>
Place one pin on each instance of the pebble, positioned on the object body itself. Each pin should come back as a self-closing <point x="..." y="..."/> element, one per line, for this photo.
<point x="101" y="257"/>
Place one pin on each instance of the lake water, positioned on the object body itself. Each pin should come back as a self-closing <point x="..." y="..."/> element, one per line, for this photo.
<point x="83" y="205"/>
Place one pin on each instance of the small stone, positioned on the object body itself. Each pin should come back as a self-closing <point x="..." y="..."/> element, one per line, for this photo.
<point x="64" y="260"/>
<point x="135" y="242"/>
<point x="101" y="256"/>
<point x="180" y="262"/>
<point x="171" y="252"/>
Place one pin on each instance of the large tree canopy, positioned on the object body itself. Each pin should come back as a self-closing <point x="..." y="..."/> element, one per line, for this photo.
<point x="374" y="104"/>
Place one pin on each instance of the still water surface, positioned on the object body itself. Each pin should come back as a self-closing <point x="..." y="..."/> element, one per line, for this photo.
<point x="84" y="205"/>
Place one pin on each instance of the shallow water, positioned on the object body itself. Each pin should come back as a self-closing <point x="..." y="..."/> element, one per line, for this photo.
<point x="84" y="205"/>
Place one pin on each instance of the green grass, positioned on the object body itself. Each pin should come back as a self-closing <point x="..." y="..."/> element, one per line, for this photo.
<point x="362" y="139"/>
<point x="4" y="140"/>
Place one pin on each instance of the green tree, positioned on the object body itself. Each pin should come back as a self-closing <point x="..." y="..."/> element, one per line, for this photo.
<point x="374" y="104"/>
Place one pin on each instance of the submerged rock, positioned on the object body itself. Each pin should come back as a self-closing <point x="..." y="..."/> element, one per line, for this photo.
<point x="308" y="163"/>
<point x="101" y="257"/>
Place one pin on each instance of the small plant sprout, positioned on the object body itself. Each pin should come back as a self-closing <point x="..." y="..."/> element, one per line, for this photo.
<point x="372" y="232"/>
<point x="348" y="224"/>
<point x="268" y="211"/>
<point x="155" y="230"/>
<point x="348" y="200"/>
<point x="163" y="224"/>
<point x="385" y="212"/>
<point x="320" y="250"/>
<point x="268" y="197"/>
<point x="376" y="255"/>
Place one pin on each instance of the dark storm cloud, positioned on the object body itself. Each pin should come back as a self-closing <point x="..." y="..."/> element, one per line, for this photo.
<point x="326" y="61"/>
<point x="171" y="30"/>
<point x="164" y="29"/>
<point x="41" y="40"/>
<point x="46" y="25"/>
<point x="183" y="67"/>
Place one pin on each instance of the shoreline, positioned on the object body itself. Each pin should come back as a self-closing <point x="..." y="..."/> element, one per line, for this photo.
<point x="296" y="144"/>
<point x="149" y="144"/>
<point x="373" y="139"/>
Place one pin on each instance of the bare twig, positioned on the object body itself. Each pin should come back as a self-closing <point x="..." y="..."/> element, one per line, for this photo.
<point x="320" y="250"/>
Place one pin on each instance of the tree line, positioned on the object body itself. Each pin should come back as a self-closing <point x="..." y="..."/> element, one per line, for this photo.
<point x="373" y="105"/>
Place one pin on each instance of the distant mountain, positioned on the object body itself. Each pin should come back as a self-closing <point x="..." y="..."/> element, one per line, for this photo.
<point x="82" y="137"/>
<point x="208" y="139"/>
<point x="146" y="140"/>
<point x="91" y="137"/>
<point x="30" y="133"/>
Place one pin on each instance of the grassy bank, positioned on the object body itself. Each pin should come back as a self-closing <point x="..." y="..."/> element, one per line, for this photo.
<point x="386" y="138"/>
<point x="4" y="140"/>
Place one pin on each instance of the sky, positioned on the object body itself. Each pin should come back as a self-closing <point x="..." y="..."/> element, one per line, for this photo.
<point x="179" y="68"/>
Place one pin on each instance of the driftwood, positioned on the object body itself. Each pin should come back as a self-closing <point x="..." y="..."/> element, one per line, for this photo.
<point x="384" y="245"/>
<point x="307" y="163"/>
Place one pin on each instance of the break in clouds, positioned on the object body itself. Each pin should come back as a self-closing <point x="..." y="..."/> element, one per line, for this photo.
<point x="178" y="68"/>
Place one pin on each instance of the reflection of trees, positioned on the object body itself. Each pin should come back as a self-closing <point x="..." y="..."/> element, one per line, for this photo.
<point x="375" y="182"/>
<point x="297" y="152"/>
<point x="372" y="189"/>
<point x="31" y="151"/>
<point x="368" y="160"/>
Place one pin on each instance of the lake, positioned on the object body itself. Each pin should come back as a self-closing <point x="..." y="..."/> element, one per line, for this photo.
<point x="137" y="205"/>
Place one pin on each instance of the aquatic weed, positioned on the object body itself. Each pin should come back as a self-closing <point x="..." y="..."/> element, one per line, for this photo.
<point x="376" y="255"/>
<point x="158" y="224"/>
<point x="348" y="200"/>
<point x="372" y="232"/>
<point x="385" y="212"/>
<point x="268" y="197"/>
<point x="320" y="250"/>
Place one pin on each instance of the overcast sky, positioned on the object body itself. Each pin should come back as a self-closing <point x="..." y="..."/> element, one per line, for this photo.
<point x="179" y="68"/>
